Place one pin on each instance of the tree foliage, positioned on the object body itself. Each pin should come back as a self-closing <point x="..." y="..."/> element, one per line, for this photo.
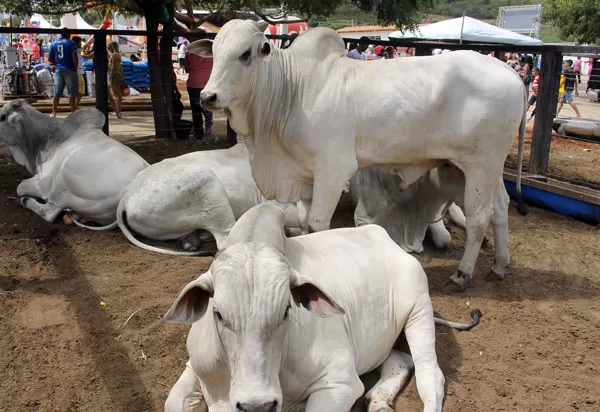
<point x="400" y="12"/>
<point x="578" y="19"/>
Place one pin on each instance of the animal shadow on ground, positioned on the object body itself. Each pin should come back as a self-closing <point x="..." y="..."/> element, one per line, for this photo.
<point x="521" y="283"/>
<point x="119" y="375"/>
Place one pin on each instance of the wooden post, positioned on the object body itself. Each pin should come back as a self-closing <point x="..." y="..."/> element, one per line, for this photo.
<point x="421" y="50"/>
<point x="101" y="68"/>
<point x="231" y="135"/>
<point x="545" y="112"/>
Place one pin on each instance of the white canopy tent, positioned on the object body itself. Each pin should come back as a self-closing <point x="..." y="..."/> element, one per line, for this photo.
<point x="75" y="21"/>
<point x="473" y="30"/>
<point x="40" y="21"/>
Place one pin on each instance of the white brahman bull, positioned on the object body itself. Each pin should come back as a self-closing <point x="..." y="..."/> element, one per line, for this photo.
<point x="192" y="197"/>
<point x="312" y="117"/>
<point x="407" y="214"/>
<point x="289" y="324"/>
<point x="75" y="166"/>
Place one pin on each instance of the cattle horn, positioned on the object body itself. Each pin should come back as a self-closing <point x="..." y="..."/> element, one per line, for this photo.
<point x="262" y="25"/>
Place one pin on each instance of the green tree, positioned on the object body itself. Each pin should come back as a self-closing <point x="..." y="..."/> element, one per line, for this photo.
<point x="578" y="19"/>
<point x="404" y="13"/>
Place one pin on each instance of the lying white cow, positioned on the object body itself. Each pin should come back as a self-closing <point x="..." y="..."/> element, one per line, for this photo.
<point x="289" y="324"/>
<point x="75" y="166"/>
<point x="407" y="214"/>
<point x="310" y="126"/>
<point x="192" y="197"/>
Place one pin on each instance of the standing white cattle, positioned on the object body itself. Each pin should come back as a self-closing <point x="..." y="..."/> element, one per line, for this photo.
<point x="310" y="126"/>
<point x="407" y="214"/>
<point x="191" y="197"/>
<point x="75" y="166"/>
<point x="290" y="324"/>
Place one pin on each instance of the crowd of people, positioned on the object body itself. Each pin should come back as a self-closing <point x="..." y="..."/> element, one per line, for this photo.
<point x="529" y="70"/>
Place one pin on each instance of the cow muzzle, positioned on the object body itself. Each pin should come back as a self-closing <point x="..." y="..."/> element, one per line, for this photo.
<point x="257" y="407"/>
<point x="210" y="100"/>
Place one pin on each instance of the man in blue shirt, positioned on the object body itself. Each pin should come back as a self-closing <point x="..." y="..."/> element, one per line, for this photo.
<point x="63" y="55"/>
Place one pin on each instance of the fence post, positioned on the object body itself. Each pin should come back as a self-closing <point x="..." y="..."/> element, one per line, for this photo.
<point x="101" y="68"/>
<point x="231" y="135"/>
<point x="545" y="112"/>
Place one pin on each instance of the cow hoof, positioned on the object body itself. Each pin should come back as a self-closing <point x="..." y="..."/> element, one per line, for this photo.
<point x="494" y="277"/>
<point x="460" y="280"/>
<point x="188" y="247"/>
<point x="67" y="220"/>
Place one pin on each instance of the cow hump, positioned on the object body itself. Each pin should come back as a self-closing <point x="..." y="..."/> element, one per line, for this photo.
<point x="320" y="43"/>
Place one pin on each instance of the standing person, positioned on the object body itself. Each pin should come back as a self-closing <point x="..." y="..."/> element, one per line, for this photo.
<point x="354" y="52"/>
<point x="535" y="88"/>
<point x="182" y="53"/>
<point x="63" y="55"/>
<point x="35" y="52"/>
<point x="199" y="69"/>
<point x="577" y="70"/>
<point x="80" y="80"/>
<point x="116" y="78"/>
<point x="42" y="51"/>
<point x="568" y="82"/>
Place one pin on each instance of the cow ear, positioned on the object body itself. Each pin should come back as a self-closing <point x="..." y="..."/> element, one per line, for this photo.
<point x="308" y="294"/>
<point x="202" y="48"/>
<point x="192" y="302"/>
<point x="262" y="25"/>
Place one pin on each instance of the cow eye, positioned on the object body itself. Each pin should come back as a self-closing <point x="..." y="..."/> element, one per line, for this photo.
<point x="2" y="118"/>
<point x="244" y="57"/>
<point x="218" y="315"/>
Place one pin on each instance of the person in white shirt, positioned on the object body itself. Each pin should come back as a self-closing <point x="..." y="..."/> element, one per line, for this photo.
<point x="80" y="80"/>
<point x="182" y="53"/>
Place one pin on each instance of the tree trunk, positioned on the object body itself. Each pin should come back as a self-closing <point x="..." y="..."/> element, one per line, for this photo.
<point x="172" y="96"/>
<point x="159" y="108"/>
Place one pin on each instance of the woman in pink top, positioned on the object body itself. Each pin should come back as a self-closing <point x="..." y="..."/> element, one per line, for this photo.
<point x="198" y="69"/>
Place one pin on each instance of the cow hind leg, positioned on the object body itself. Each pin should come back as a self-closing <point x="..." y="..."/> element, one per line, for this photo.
<point x="47" y="211"/>
<point x="394" y="373"/>
<point x="186" y="394"/>
<point x="500" y="225"/>
<point x="479" y="196"/>
<point x="420" y="335"/>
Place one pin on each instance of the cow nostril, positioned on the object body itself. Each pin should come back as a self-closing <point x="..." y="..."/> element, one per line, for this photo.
<point x="272" y="407"/>
<point x="212" y="98"/>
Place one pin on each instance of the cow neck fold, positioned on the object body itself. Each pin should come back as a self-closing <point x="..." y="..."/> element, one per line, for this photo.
<point x="41" y="135"/>
<point x="275" y="87"/>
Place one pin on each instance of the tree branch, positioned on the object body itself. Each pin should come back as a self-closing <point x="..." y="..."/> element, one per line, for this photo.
<point x="267" y="18"/>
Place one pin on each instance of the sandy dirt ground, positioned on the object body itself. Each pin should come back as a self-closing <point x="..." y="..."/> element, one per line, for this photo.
<point x="569" y="159"/>
<point x="83" y="326"/>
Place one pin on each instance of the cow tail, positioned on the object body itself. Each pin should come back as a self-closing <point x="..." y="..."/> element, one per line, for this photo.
<point x="521" y="206"/>
<point x="475" y="316"/>
<point x="111" y="226"/>
<point x="123" y="226"/>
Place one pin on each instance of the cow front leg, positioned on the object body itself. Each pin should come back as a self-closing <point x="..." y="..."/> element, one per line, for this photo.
<point x="394" y="374"/>
<point x="186" y="394"/>
<point x="328" y="186"/>
<point x="420" y="335"/>
<point x="479" y="193"/>
<point x="338" y="397"/>
<point x="30" y="188"/>
<point x="47" y="211"/>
